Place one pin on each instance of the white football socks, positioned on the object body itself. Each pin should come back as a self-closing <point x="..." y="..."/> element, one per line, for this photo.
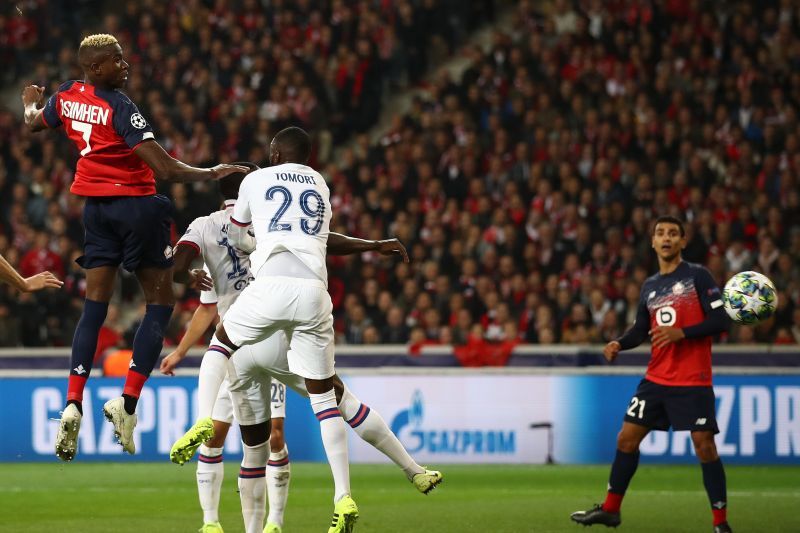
<point x="253" y="486"/>
<point x="334" y="438"/>
<point x="278" y="476"/>
<point x="210" y="471"/>
<point x="370" y="426"/>
<point x="213" y="369"/>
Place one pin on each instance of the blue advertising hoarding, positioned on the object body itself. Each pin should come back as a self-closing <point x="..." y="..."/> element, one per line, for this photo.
<point x="166" y="409"/>
<point x="758" y="418"/>
<point x="468" y="417"/>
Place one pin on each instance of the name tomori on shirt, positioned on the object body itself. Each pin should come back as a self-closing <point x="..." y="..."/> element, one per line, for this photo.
<point x="295" y="178"/>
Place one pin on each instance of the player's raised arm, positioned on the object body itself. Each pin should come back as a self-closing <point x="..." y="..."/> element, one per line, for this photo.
<point x="40" y="281"/>
<point x="339" y="244"/>
<point x="240" y="233"/>
<point x="31" y="98"/>
<point x="168" y="168"/>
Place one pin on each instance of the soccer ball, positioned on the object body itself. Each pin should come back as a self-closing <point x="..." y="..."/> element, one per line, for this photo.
<point x="749" y="297"/>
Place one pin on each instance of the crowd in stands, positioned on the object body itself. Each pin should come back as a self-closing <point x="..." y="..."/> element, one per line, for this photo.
<point x="525" y="189"/>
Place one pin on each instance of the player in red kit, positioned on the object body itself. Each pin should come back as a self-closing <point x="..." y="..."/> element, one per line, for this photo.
<point x="125" y="221"/>
<point x="681" y="309"/>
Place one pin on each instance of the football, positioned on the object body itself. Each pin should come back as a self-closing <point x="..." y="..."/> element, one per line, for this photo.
<point x="750" y="297"/>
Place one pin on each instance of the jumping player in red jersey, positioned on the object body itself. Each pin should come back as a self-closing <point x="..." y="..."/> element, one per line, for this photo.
<point x="126" y="222"/>
<point x="681" y="309"/>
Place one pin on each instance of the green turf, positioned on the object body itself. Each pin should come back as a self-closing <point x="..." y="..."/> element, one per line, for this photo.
<point x="147" y="497"/>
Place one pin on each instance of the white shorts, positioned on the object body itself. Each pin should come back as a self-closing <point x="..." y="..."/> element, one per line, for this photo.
<point x="255" y="397"/>
<point x="277" y="399"/>
<point x="299" y="307"/>
<point x="223" y="409"/>
<point x="249" y="405"/>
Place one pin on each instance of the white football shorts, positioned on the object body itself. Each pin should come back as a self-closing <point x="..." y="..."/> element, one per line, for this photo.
<point x="299" y="307"/>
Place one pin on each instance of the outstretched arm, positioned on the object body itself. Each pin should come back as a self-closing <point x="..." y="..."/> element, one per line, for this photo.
<point x="31" y="98"/>
<point x="339" y="244"/>
<point x="203" y="317"/>
<point x="168" y="168"/>
<point x="38" y="282"/>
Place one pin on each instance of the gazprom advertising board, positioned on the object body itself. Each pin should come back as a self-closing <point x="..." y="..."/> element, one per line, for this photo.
<point x="450" y="418"/>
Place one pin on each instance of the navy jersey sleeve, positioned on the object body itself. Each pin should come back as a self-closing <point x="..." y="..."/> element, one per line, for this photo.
<point x="128" y="122"/>
<point x="50" y="111"/>
<point x="707" y="291"/>
<point x="641" y="326"/>
<point x="716" y="319"/>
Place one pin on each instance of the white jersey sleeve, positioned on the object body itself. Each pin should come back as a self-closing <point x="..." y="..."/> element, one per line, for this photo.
<point x="227" y="266"/>
<point x="241" y="210"/>
<point x="239" y="232"/>
<point x="194" y="235"/>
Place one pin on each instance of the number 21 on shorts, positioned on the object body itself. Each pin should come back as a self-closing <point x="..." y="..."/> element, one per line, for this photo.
<point x="636" y="404"/>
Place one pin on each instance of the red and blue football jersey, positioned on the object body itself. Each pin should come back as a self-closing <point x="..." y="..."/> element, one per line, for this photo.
<point x="681" y="298"/>
<point x="105" y="126"/>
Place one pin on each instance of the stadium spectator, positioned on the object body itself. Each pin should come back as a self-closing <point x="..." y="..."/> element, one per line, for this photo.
<point x="526" y="186"/>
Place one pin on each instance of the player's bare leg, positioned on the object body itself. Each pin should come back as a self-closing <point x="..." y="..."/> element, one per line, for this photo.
<point x="278" y="476"/>
<point x="622" y="471"/>
<point x="157" y="286"/>
<point x="713" y="478"/>
<point x="99" y="288"/>
<point x="371" y="427"/>
<point x="252" y="476"/>
<point x="210" y="473"/>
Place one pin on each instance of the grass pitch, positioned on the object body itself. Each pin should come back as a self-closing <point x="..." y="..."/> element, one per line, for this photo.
<point x="150" y="497"/>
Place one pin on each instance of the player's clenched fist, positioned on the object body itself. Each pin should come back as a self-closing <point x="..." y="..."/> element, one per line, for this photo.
<point x="32" y="94"/>
<point x="611" y="350"/>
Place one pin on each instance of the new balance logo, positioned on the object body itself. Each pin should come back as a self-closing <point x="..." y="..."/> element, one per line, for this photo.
<point x="80" y="370"/>
<point x="719" y="505"/>
<point x="132" y="365"/>
<point x="700" y="422"/>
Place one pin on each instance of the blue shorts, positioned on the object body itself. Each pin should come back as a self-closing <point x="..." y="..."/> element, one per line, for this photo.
<point x="681" y="408"/>
<point x="133" y="231"/>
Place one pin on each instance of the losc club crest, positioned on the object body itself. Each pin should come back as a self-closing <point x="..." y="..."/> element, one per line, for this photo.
<point x="678" y="288"/>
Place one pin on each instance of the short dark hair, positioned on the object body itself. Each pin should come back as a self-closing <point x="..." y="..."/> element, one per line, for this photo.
<point x="669" y="219"/>
<point x="229" y="185"/>
<point x="294" y="143"/>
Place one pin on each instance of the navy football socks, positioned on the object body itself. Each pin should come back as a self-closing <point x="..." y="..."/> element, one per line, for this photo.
<point x="84" y="344"/>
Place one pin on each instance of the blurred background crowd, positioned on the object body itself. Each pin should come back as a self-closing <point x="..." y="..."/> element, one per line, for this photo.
<point x="524" y="188"/>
